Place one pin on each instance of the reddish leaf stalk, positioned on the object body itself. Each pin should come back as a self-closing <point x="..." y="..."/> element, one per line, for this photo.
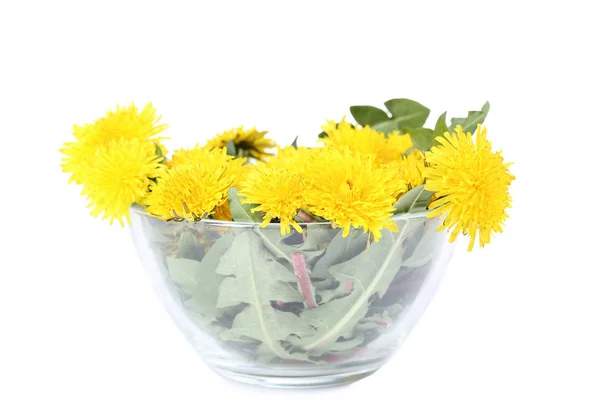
<point x="305" y="217"/>
<point x="384" y="321"/>
<point x="348" y="285"/>
<point x="304" y="283"/>
<point x="278" y="304"/>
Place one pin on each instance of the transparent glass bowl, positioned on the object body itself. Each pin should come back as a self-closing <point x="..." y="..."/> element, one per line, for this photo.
<point x="305" y="310"/>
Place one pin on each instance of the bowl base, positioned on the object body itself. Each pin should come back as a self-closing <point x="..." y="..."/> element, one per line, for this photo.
<point x="322" y="379"/>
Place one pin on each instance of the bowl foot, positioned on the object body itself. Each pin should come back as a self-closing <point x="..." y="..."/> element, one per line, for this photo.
<point x="299" y="379"/>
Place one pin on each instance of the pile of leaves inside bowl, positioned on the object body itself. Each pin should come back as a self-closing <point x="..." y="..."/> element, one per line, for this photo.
<point x="305" y="255"/>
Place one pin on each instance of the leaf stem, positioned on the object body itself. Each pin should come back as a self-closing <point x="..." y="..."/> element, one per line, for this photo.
<point x="305" y="217"/>
<point x="304" y="284"/>
<point x="272" y="247"/>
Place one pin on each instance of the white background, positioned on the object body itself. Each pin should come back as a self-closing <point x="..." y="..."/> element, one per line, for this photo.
<point x="519" y="319"/>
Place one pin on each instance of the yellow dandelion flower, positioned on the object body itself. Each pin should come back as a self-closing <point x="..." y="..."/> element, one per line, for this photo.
<point x="236" y="167"/>
<point x="410" y="169"/>
<point x="367" y="141"/>
<point x="248" y="142"/>
<point x="125" y="122"/>
<point x="471" y="183"/>
<point x="129" y="122"/>
<point x="223" y="212"/>
<point x="195" y="155"/>
<point x="190" y="191"/>
<point x="353" y="190"/>
<point x="119" y="175"/>
<point x="363" y="140"/>
<point x="278" y="193"/>
<point x="398" y="144"/>
<point x="293" y="159"/>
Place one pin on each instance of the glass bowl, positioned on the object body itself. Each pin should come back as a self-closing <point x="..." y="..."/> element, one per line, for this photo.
<point x="308" y="309"/>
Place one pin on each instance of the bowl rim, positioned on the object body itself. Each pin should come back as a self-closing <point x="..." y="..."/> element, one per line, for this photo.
<point x="139" y="209"/>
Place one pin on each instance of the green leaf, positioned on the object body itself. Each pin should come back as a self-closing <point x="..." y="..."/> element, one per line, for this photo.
<point x="265" y="356"/>
<point x="407" y="113"/>
<point x="423" y="138"/>
<point x="413" y="201"/>
<point x="340" y="249"/>
<point x="425" y="249"/>
<point x="387" y="127"/>
<point x="204" y="323"/>
<point x="469" y="124"/>
<point x="241" y="212"/>
<point x="331" y="321"/>
<point x="324" y="284"/>
<point x="342" y="346"/>
<point x="392" y="310"/>
<point x="318" y="236"/>
<point x="371" y="272"/>
<point x="254" y="278"/>
<point x="276" y="244"/>
<point x="295" y="143"/>
<point x="231" y="148"/>
<point x="159" y="153"/>
<point x="185" y="272"/>
<point x="368" y="115"/>
<point x="440" y="126"/>
<point x="272" y="241"/>
<point x="188" y="246"/>
<point x="327" y="295"/>
<point x="157" y="233"/>
<point x="199" y="280"/>
<point x="376" y="266"/>
<point x="486" y="108"/>
<point x="267" y="325"/>
<point x="377" y="322"/>
<point x="314" y="216"/>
